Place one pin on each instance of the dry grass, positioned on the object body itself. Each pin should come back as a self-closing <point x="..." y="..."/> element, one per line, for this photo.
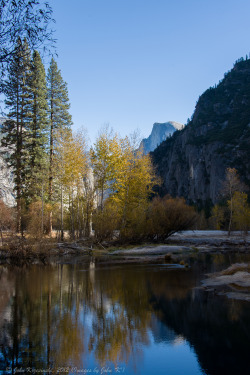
<point x="17" y="246"/>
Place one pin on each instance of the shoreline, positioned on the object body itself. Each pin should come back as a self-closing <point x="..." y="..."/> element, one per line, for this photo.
<point x="180" y="252"/>
<point x="183" y="243"/>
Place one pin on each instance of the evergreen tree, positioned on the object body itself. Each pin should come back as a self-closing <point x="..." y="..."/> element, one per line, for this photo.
<point x="30" y="19"/>
<point x="38" y="127"/>
<point x="15" y="130"/>
<point x="59" y="117"/>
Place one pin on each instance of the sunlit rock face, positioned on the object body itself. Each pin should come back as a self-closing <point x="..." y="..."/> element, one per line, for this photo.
<point x="6" y="184"/>
<point x="6" y="177"/>
<point x="160" y="132"/>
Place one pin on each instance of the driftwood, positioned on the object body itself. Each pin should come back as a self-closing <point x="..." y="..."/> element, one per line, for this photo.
<point x="75" y="246"/>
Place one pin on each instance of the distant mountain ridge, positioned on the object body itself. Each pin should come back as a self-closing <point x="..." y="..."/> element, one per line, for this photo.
<point x="160" y="132"/>
<point x="192" y="163"/>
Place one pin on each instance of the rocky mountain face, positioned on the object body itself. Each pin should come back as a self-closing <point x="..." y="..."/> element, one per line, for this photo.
<point x="6" y="177"/>
<point x="160" y="132"/>
<point x="6" y="184"/>
<point x="192" y="163"/>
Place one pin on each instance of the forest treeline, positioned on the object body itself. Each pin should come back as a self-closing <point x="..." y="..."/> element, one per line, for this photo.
<point x="59" y="183"/>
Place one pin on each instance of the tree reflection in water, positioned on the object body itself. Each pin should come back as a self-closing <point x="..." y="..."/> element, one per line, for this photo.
<point x="51" y="309"/>
<point x="69" y="315"/>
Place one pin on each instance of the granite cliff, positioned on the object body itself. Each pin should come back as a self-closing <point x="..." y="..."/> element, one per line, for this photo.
<point x="192" y="163"/>
<point x="6" y="184"/>
<point x="6" y="177"/>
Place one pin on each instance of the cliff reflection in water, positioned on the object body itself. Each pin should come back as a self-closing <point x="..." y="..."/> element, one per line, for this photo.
<point x="66" y="315"/>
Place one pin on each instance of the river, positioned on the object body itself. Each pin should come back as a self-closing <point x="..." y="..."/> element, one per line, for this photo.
<point x="93" y="318"/>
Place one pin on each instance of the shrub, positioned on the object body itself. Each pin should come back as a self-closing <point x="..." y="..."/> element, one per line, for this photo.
<point x="38" y="219"/>
<point x="6" y="218"/>
<point x="169" y="215"/>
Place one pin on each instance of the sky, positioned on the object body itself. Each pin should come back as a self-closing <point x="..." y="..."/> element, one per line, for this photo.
<point x="130" y="63"/>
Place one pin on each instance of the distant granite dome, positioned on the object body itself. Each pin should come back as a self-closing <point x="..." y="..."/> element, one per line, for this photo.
<point x="160" y="132"/>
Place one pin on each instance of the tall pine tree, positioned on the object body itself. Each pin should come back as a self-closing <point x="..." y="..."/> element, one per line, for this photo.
<point x="15" y="129"/>
<point x="59" y="117"/>
<point x="38" y="128"/>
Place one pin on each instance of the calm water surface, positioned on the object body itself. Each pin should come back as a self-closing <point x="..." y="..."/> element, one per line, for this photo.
<point x="129" y="319"/>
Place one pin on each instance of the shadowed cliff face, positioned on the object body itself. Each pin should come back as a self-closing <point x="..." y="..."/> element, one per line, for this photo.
<point x="193" y="161"/>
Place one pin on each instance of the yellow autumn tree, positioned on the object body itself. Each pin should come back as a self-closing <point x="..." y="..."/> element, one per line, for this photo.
<point x="71" y="164"/>
<point x="231" y="185"/>
<point x="126" y="177"/>
<point x="133" y="184"/>
<point x="105" y="161"/>
<point x="240" y="211"/>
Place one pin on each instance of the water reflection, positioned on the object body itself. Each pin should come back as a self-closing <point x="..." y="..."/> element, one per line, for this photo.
<point x="87" y="317"/>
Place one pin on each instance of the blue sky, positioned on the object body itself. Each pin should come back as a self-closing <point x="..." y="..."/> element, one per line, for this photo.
<point x="131" y="63"/>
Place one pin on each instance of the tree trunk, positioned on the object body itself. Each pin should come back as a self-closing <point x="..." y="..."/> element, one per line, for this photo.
<point x="62" y="231"/>
<point x="231" y="215"/>
<point x="78" y="214"/>
<point x="18" y="169"/>
<point x="42" y="223"/>
<point x="1" y="237"/>
<point x="51" y="166"/>
<point x="72" y="215"/>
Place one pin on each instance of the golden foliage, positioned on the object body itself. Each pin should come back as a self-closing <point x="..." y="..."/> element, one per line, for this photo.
<point x="134" y="180"/>
<point x="126" y="175"/>
<point x="240" y="211"/>
<point x="106" y="222"/>
<point x="231" y="185"/>
<point x="106" y="162"/>
<point x="71" y="162"/>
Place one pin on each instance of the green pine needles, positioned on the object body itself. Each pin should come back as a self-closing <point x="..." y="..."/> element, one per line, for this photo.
<point x="58" y="115"/>
<point x="37" y="106"/>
